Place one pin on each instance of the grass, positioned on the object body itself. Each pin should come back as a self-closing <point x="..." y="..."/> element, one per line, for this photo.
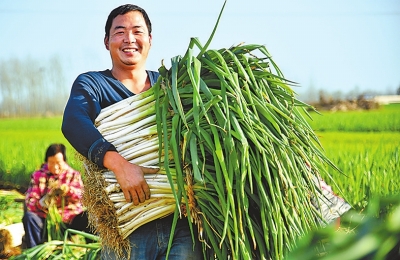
<point x="384" y="119"/>
<point x="361" y="235"/>
<point x="363" y="144"/>
<point x="369" y="161"/>
<point x="24" y="143"/>
<point x="358" y="142"/>
<point x="10" y="211"/>
<point x="365" y="147"/>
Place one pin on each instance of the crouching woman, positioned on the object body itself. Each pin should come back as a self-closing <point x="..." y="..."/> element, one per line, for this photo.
<point x="55" y="183"/>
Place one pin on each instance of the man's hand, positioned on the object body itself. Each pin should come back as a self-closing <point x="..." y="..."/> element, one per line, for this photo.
<point x="130" y="177"/>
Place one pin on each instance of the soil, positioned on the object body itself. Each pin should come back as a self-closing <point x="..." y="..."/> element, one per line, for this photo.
<point x="7" y="186"/>
<point x="11" y="242"/>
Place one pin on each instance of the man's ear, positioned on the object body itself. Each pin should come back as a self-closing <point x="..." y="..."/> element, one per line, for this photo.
<point x="150" y="38"/>
<point x="106" y="41"/>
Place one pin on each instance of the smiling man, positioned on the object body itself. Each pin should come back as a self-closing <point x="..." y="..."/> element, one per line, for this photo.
<point x="128" y="39"/>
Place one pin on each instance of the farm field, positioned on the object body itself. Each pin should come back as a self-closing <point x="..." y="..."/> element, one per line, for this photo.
<point x="367" y="155"/>
<point x="364" y="145"/>
<point x="384" y="119"/>
<point x="369" y="163"/>
<point x="23" y="144"/>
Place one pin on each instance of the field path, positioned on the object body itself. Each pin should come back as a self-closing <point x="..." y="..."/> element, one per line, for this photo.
<point x="17" y="232"/>
<point x="16" y="229"/>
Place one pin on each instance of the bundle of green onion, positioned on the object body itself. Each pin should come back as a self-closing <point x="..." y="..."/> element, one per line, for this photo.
<point x="236" y="155"/>
<point x="238" y="127"/>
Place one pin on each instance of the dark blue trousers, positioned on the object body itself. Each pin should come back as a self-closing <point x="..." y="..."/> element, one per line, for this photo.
<point x="34" y="228"/>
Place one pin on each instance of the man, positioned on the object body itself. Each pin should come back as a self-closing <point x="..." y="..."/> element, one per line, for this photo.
<point x="128" y="39"/>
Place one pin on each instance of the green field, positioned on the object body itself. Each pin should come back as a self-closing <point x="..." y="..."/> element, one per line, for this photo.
<point x="384" y="119"/>
<point x="364" y="145"/>
<point x="369" y="164"/>
<point x="23" y="146"/>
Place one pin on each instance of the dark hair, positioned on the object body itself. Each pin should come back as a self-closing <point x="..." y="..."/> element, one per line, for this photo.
<point x="123" y="9"/>
<point x="54" y="149"/>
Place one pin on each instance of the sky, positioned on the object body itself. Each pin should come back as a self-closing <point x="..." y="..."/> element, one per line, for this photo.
<point x="336" y="46"/>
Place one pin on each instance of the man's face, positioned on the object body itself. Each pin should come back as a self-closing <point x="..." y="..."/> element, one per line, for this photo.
<point x="129" y="41"/>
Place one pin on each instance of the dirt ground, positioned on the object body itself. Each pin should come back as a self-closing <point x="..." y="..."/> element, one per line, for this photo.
<point x="16" y="230"/>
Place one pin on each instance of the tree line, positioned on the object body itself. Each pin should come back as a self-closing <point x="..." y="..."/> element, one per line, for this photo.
<point x="31" y="87"/>
<point x="313" y="95"/>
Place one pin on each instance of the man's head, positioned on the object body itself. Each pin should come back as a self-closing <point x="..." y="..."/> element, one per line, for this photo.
<point x="128" y="37"/>
<point x="123" y="9"/>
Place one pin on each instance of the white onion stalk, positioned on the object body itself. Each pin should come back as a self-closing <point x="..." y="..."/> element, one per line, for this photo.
<point x="143" y="110"/>
<point x="134" y="212"/>
<point x="142" y="148"/>
<point x="145" y="160"/>
<point x="127" y="130"/>
<point x="130" y="125"/>
<point x="147" y="216"/>
<point x="124" y="105"/>
<point x="141" y="136"/>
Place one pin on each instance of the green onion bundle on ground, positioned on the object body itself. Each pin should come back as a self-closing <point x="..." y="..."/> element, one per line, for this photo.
<point x="228" y="133"/>
<point x="62" y="242"/>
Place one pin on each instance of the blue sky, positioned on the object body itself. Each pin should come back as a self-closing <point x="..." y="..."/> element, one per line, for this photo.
<point x="331" y="45"/>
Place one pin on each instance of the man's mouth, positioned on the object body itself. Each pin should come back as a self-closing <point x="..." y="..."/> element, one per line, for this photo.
<point x="130" y="50"/>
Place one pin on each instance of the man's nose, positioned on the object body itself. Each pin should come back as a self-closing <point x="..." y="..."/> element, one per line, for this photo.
<point x="130" y="37"/>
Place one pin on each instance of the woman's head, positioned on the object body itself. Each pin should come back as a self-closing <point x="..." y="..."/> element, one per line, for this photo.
<point x="56" y="158"/>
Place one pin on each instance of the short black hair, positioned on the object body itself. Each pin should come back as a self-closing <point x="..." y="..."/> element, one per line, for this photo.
<point x="123" y="9"/>
<point x="54" y="149"/>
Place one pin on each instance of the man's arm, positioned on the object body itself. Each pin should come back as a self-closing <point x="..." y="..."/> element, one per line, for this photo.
<point x="78" y="120"/>
<point x="78" y="127"/>
<point x="129" y="176"/>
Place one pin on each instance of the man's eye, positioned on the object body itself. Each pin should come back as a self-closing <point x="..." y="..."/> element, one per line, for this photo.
<point x="119" y="33"/>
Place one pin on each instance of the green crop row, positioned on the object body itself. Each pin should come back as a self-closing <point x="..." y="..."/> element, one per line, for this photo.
<point x="386" y="118"/>
<point x="369" y="164"/>
<point x="369" y="160"/>
<point x="23" y="145"/>
<point x="363" y="145"/>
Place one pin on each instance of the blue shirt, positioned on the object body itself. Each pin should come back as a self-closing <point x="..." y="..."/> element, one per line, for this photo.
<point x="91" y="92"/>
